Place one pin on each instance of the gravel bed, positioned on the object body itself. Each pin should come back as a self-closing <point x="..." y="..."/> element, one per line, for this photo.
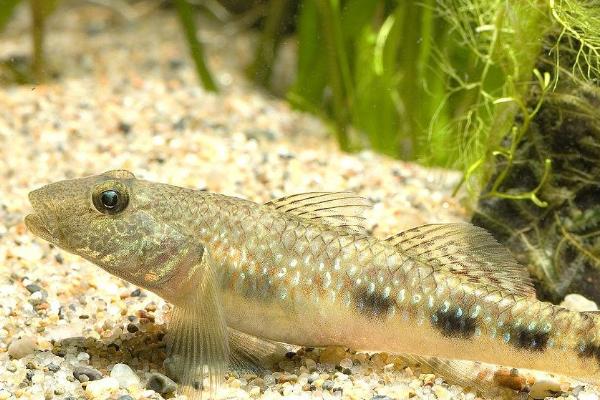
<point x="126" y="97"/>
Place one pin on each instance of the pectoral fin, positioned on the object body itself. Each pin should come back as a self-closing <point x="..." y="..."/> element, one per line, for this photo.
<point x="197" y="343"/>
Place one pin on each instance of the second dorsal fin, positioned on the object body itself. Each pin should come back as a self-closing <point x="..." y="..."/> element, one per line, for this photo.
<point x="467" y="251"/>
<point x="336" y="209"/>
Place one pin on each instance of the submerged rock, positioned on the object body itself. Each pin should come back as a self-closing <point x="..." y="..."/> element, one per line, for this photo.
<point x="161" y="383"/>
<point x="22" y="347"/>
<point x="125" y="375"/>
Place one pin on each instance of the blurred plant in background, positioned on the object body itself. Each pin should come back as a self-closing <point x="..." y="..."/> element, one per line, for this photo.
<point x="505" y="90"/>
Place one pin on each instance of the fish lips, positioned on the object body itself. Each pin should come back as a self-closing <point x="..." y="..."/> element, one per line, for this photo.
<point x="38" y="223"/>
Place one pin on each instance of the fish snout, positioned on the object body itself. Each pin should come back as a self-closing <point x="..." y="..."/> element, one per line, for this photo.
<point x="43" y="221"/>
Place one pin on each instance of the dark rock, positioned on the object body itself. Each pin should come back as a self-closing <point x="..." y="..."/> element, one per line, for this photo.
<point x="53" y="367"/>
<point x="84" y="374"/>
<point x="160" y="383"/>
<point x="32" y="287"/>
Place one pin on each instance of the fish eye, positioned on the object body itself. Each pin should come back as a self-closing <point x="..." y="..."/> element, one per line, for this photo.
<point x="110" y="201"/>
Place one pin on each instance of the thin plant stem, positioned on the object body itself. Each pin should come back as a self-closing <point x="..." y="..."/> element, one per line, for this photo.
<point x="186" y="18"/>
<point x="38" y="24"/>
<point x="269" y="41"/>
<point x="339" y="71"/>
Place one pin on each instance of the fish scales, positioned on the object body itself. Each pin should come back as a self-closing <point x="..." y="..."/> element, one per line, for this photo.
<point x="302" y="270"/>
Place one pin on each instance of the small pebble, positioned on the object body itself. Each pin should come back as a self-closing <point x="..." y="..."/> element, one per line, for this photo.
<point x="328" y="385"/>
<point x="441" y="393"/>
<point x="124" y="375"/>
<point x="161" y="383"/>
<point x="310" y="364"/>
<point x="587" y="396"/>
<point x="84" y="374"/>
<point x="102" y="388"/>
<point x="22" y="347"/>
<point x="332" y="355"/>
<point x="254" y="391"/>
<point x="38" y="297"/>
<point x="53" y="367"/>
<point x="32" y="287"/>
<point x="577" y="302"/>
<point x="125" y="397"/>
<point x="259" y="382"/>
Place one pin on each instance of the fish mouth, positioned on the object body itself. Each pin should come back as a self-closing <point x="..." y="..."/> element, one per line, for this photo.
<point x="37" y="226"/>
<point x="37" y="222"/>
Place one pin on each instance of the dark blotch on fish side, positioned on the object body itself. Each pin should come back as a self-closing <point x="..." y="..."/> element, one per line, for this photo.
<point x="530" y="340"/>
<point x="588" y="350"/>
<point x="258" y="287"/>
<point x="372" y="304"/>
<point x="454" y="324"/>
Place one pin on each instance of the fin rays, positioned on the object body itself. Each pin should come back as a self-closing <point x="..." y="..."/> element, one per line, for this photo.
<point x="466" y="251"/>
<point x="197" y="344"/>
<point x="341" y="210"/>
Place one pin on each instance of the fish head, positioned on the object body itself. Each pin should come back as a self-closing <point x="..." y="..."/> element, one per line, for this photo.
<point x="113" y="220"/>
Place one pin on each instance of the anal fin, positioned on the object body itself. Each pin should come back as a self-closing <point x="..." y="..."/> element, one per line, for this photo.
<point x="489" y="380"/>
<point x="250" y="354"/>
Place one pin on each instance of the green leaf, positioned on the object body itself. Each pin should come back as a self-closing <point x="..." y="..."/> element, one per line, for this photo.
<point x="6" y="10"/>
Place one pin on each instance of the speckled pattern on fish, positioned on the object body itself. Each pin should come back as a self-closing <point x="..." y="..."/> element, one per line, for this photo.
<point x="304" y="270"/>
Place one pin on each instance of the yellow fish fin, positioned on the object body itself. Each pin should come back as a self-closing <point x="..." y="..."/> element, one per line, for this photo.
<point x="197" y="342"/>
<point x="336" y="209"/>
<point x="252" y="354"/>
<point x="466" y="251"/>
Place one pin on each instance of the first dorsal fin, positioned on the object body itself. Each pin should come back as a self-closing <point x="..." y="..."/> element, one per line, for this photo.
<point x="336" y="209"/>
<point x="467" y="251"/>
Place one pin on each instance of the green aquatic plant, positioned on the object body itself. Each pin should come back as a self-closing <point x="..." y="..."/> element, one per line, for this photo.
<point x="40" y="10"/>
<point x="185" y="13"/>
<point x="367" y="68"/>
<point x="529" y="141"/>
<point x="7" y="8"/>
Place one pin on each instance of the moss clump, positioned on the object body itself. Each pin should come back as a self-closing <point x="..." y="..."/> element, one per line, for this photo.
<point x="556" y="164"/>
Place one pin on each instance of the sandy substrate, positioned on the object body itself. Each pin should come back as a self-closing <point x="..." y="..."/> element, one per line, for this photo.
<point x="127" y="98"/>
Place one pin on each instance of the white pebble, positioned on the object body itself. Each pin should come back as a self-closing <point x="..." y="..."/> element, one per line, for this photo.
<point x="587" y="396"/>
<point x="125" y="375"/>
<point x="441" y="393"/>
<point x="22" y="347"/>
<point x="576" y="302"/>
<point x="102" y="388"/>
<point x="346" y="363"/>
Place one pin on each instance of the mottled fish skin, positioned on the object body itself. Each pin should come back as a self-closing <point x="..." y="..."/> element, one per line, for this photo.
<point x="305" y="281"/>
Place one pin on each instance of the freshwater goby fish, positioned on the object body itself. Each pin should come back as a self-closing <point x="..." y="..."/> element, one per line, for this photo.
<point x="303" y="270"/>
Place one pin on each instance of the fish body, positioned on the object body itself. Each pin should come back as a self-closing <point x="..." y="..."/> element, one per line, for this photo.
<point x="302" y="270"/>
